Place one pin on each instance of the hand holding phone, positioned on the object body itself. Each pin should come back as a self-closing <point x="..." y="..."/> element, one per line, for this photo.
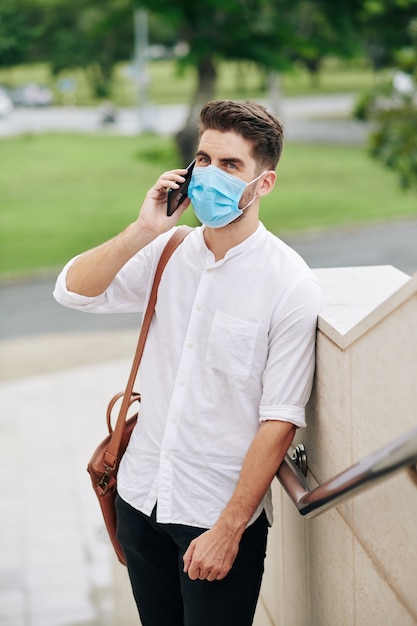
<point x="177" y="196"/>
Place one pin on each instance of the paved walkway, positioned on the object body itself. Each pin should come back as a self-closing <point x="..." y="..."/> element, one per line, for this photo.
<point x="56" y="566"/>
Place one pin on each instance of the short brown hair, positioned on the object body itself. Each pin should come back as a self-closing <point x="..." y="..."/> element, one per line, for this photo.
<point x="252" y="121"/>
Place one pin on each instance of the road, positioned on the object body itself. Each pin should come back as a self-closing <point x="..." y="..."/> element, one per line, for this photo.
<point x="315" y="118"/>
<point x="27" y="307"/>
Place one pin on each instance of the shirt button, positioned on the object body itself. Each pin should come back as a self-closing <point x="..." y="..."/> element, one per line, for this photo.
<point x="198" y="307"/>
<point x="190" y="345"/>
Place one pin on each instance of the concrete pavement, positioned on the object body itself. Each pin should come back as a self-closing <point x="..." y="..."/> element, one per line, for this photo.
<point x="56" y="566"/>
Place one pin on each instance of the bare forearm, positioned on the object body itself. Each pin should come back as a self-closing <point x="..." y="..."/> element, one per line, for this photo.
<point x="212" y="554"/>
<point x="261" y="463"/>
<point x="92" y="272"/>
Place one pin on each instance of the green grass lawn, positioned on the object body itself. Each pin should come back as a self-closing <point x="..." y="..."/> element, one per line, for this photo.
<point x="61" y="194"/>
<point x="168" y="85"/>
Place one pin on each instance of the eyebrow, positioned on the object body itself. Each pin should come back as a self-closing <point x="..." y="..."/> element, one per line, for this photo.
<point x="224" y="160"/>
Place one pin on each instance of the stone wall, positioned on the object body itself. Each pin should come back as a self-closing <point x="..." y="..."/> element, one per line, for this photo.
<point x="355" y="564"/>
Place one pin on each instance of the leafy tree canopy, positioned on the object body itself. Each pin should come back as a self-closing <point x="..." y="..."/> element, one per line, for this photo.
<point x="20" y="28"/>
<point x="392" y="106"/>
<point x="271" y="33"/>
<point x="384" y="27"/>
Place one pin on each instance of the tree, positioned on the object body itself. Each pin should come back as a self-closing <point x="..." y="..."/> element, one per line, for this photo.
<point x="324" y="32"/>
<point x="88" y="34"/>
<point x="95" y="34"/>
<point x="266" y="32"/>
<point x="383" y="28"/>
<point x="21" y="28"/>
<point x="391" y="104"/>
<point x="226" y="29"/>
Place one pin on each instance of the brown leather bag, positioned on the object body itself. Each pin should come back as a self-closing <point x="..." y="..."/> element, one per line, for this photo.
<point x="104" y="463"/>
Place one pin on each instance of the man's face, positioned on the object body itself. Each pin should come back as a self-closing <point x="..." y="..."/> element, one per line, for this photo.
<point x="231" y="153"/>
<point x="227" y="151"/>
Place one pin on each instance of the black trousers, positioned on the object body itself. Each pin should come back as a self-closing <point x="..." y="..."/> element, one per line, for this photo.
<point x="165" y="596"/>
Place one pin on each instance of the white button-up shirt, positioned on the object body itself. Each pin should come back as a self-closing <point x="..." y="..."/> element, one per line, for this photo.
<point x="231" y="344"/>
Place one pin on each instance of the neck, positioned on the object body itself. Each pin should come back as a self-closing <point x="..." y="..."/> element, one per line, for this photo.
<point x="220" y="240"/>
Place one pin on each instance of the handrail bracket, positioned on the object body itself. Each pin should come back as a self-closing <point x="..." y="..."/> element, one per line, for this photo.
<point x="400" y="454"/>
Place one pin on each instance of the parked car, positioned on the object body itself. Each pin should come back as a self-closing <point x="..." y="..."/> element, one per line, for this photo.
<point x="6" y="104"/>
<point x="32" y="95"/>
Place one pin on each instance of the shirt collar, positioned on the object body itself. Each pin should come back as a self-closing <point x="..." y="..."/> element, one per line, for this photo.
<point x="241" y="248"/>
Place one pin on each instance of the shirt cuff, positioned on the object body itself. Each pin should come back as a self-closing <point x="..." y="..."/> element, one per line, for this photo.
<point x="284" y="413"/>
<point x="69" y="298"/>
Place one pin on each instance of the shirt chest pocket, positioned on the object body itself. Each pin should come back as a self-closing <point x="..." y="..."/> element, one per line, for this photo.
<point x="231" y="345"/>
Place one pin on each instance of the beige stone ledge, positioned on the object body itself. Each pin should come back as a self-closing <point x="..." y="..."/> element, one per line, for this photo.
<point x="356" y="298"/>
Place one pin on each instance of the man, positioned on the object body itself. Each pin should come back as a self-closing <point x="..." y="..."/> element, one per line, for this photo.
<point x="225" y="376"/>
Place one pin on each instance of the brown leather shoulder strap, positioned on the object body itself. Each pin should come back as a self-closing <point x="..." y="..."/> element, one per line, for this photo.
<point x="172" y="244"/>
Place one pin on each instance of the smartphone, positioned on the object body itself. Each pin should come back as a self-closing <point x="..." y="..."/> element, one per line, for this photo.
<point x="177" y="196"/>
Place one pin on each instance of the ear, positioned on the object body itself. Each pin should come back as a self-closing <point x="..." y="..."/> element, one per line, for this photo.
<point x="267" y="183"/>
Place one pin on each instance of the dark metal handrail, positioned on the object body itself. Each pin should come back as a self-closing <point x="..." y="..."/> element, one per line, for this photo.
<point x="398" y="455"/>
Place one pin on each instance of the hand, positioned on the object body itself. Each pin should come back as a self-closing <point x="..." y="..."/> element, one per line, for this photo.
<point x="152" y="216"/>
<point x="211" y="555"/>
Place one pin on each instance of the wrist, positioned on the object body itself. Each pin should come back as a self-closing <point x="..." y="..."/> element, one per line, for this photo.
<point x="137" y="237"/>
<point x="233" y="520"/>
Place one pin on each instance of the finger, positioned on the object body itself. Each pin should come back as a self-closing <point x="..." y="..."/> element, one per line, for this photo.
<point x="212" y="576"/>
<point x="172" y="179"/>
<point x="203" y="575"/>
<point x="187" y="558"/>
<point x="165" y="184"/>
<point x="202" y="572"/>
<point x="222" y="574"/>
<point x="184" y="205"/>
<point x="195" y="572"/>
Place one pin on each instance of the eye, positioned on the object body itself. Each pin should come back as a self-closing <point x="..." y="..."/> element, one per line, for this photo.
<point x="202" y="160"/>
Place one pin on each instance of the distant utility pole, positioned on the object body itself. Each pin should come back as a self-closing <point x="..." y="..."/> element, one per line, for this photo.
<point x="275" y="94"/>
<point x="141" y="69"/>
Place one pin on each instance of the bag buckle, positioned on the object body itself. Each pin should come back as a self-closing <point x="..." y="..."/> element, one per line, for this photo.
<point x="103" y="484"/>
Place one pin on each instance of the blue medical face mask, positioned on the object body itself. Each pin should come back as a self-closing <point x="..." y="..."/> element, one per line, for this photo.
<point x="215" y="195"/>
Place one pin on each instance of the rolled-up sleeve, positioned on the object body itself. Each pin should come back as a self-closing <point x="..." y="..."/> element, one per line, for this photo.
<point x="126" y="294"/>
<point x="289" y="373"/>
<point x="69" y="298"/>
